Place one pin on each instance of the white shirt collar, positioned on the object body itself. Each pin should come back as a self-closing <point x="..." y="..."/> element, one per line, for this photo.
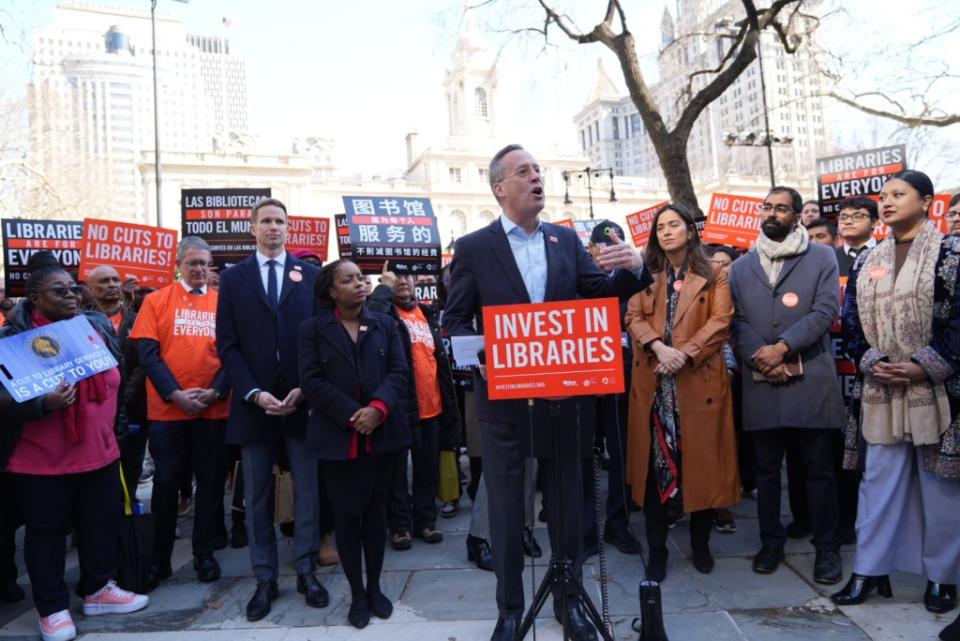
<point x="509" y="226"/>
<point x="186" y="286"/>
<point x="263" y="258"/>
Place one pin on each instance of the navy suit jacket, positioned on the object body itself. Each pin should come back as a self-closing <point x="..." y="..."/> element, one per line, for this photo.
<point x="484" y="272"/>
<point x="338" y="377"/>
<point x="250" y="336"/>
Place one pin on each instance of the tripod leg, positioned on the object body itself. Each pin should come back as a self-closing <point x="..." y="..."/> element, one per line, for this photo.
<point x="538" y="601"/>
<point x="592" y="612"/>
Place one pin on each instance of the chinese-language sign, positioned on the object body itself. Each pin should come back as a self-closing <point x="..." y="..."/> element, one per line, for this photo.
<point x="401" y="230"/>
<point x="565" y="348"/>
<point x="861" y="173"/>
<point x="136" y="251"/>
<point x="733" y="220"/>
<point x="308" y="233"/>
<point x="34" y="362"/>
<point x="640" y="224"/>
<point x="222" y="218"/>
<point x="24" y="238"/>
<point x="343" y="236"/>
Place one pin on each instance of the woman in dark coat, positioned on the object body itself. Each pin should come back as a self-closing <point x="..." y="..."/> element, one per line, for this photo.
<point x="353" y="374"/>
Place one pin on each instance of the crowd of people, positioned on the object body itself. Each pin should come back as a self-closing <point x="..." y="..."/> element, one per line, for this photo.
<point x="284" y="367"/>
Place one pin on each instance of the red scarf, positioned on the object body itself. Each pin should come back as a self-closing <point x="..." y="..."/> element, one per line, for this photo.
<point x="89" y="390"/>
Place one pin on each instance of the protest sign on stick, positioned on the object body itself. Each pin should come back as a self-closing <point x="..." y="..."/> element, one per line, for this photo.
<point x="733" y="220"/>
<point x="136" y="251"/>
<point x="222" y="218"/>
<point x="23" y="238"/>
<point x="399" y="229"/>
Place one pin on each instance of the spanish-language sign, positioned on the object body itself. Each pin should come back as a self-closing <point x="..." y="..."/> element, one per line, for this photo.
<point x="34" y="362"/>
<point x="308" y="233"/>
<point x="584" y="228"/>
<point x="222" y="218"/>
<point x="23" y="238"/>
<point x="547" y="350"/>
<point x="401" y="230"/>
<point x="640" y="224"/>
<point x="861" y="173"/>
<point x="343" y="236"/>
<point x="733" y="220"/>
<point x="136" y="251"/>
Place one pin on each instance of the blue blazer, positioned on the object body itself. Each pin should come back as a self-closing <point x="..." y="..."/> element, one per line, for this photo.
<point x="250" y="336"/>
<point x="338" y="377"/>
<point x="484" y="272"/>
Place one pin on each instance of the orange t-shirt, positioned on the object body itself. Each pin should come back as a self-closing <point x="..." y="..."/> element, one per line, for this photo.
<point x="184" y="324"/>
<point x="424" y="363"/>
<point x="117" y="320"/>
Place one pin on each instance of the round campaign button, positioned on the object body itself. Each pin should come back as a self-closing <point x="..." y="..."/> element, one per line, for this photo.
<point x="677" y="285"/>
<point x="879" y="272"/>
<point x="296" y="276"/>
<point x="790" y="300"/>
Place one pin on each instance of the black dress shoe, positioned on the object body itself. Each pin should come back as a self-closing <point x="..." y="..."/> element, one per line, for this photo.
<point x="827" y="567"/>
<point x="259" y="605"/>
<point x="702" y="559"/>
<point x="478" y="551"/>
<point x="310" y="586"/>
<point x="577" y="625"/>
<point x="798" y="530"/>
<point x="767" y="560"/>
<point x="952" y="631"/>
<point x="506" y="630"/>
<point x="207" y="568"/>
<point x="158" y="573"/>
<point x="622" y="540"/>
<point x="940" y="597"/>
<point x="359" y="614"/>
<point x="859" y="587"/>
<point x="657" y="565"/>
<point x="530" y="545"/>
<point x="238" y="536"/>
<point x="380" y="605"/>
<point x="11" y="592"/>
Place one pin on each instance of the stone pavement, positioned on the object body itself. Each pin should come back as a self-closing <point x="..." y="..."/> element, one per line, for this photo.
<point x="439" y="595"/>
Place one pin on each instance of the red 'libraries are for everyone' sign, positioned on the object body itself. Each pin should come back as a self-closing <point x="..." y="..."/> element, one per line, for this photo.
<point x="547" y="350"/>
<point x="640" y="224"/>
<point x="733" y="220"/>
<point x="136" y="251"/>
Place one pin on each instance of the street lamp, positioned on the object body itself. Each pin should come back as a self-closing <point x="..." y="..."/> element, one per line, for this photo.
<point x="156" y="101"/>
<point x="752" y="139"/>
<point x="588" y="172"/>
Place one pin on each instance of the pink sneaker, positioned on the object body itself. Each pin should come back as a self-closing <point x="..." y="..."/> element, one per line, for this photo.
<point x="58" y="627"/>
<point x="111" y="599"/>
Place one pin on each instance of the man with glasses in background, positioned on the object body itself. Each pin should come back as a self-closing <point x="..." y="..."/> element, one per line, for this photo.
<point x="857" y="221"/>
<point x="953" y="215"/>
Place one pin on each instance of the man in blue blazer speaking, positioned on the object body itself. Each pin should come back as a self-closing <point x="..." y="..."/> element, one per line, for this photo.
<point x="519" y="259"/>
<point x="262" y="301"/>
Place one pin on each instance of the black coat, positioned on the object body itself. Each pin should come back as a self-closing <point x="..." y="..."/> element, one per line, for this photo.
<point x="338" y="377"/>
<point x="382" y="301"/>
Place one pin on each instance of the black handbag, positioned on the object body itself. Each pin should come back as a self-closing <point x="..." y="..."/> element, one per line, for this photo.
<point x="136" y="546"/>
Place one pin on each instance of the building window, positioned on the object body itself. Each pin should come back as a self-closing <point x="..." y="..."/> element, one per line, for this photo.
<point x="635" y="125"/>
<point x="458" y="223"/>
<point x="455" y="174"/>
<point x="487" y="217"/>
<point x="480" y="96"/>
<point x="484" y="174"/>
<point x="596" y="130"/>
<point x="583" y="140"/>
<point x="616" y="128"/>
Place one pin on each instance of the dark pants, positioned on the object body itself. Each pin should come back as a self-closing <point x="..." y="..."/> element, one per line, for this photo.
<point x="816" y="451"/>
<point x="52" y="506"/>
<point x="612" y="419"/>
<point x="657" y="523"/>
<point x="10" y="520"/>
<point x="174" y="445"/>
<point x="425" y="458"/>
<point x="503" y="472"/>
<point x="133" y="446"/>
<point x="848" y="488"/>
<point x="745" y="458"/>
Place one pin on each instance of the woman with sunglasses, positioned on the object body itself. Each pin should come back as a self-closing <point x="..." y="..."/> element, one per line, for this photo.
<point x="60" y="452"/>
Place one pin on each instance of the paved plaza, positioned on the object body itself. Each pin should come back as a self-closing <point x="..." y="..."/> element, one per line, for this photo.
<point x="440" y="596"/>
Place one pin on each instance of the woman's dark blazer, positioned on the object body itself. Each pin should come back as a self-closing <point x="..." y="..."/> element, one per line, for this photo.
<point x="333" y="369"/>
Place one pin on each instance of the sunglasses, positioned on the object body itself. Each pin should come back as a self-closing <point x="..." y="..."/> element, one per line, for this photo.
<point x="62" y="292"/>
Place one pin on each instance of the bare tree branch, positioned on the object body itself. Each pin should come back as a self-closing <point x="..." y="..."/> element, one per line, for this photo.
<point x="909" y="121"/>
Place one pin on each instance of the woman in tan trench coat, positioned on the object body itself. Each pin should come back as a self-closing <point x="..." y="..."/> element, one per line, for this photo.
<point x="681" y="449"/>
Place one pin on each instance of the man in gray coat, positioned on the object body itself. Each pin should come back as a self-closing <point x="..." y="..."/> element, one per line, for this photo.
<point x="786" y="291"/>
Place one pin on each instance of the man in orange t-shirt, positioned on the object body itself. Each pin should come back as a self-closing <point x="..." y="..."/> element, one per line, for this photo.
<point x="186" y="405"/>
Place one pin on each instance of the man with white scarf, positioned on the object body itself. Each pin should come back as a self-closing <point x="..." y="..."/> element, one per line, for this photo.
<point x="786" y="294"/>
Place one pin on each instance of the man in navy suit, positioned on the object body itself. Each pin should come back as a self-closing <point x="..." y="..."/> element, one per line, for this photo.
<point x="519" y="259"/>
<point x="262" y="301"/>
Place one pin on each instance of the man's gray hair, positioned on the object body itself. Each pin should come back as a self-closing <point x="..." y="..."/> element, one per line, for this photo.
<point x="496" y="164"/>
<point x="191" y="242"/>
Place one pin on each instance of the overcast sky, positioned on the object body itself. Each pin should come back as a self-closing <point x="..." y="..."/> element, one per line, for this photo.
<point x="366" y="73"/>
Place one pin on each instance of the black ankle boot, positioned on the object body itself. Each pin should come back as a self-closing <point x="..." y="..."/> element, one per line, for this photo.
<point x="702" y="559"/>
<point x="859" y="587"/>
<point x="952" y="631"/>
<point x="940" y="597"/>
<point x="657" y="565"/>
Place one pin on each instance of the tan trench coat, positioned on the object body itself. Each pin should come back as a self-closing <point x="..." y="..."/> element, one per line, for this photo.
<point x="709" y="474"/>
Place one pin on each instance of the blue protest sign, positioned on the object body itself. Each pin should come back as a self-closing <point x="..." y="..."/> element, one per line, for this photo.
<point x="33" y="363"/>
<point x="397" y="229"/>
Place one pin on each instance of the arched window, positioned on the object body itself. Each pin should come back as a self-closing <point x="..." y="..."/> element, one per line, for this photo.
<point x="486" y="217"/>
<point x="480" y="97"/>
<point x="458" y="223"/>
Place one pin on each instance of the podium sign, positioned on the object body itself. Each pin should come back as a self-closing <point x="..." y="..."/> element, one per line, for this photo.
<point x="548" y="350"/>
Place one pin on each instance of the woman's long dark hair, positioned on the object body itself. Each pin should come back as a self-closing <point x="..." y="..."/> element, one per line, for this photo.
<point x="656" y="259"/>
<point x="325" y="281"/>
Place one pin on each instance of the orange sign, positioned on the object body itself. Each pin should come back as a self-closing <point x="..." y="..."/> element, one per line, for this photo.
<point x="641" y="222"/>
<point x="309" y="233"/>
<point x="545" y="350"/>
<point x="938" y="211"/>
<point x="733" y="220"/>
<point x="565" y="222"/>
<point x="138" y="251"/>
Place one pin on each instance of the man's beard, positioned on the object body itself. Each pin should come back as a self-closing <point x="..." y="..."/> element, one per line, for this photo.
<point x="775" y="230"/>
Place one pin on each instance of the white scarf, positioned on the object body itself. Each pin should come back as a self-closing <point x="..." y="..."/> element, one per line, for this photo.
<point x="772" y="254"/>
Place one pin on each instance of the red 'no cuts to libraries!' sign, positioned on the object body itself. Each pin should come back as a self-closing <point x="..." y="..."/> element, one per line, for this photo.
<point x="136" y="251"/>
<point x="547" y="350"/>
<point x="641" y="223"/>
<point x="733" y="220"/>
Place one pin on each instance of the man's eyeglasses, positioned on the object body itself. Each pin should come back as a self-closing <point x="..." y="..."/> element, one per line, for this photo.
<point x="198" y="263"/>
<point x="62" y="292"/>
<point x="857" y="217"/>
<point x="780" y="209"/>
<point x="952" y="214"/>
